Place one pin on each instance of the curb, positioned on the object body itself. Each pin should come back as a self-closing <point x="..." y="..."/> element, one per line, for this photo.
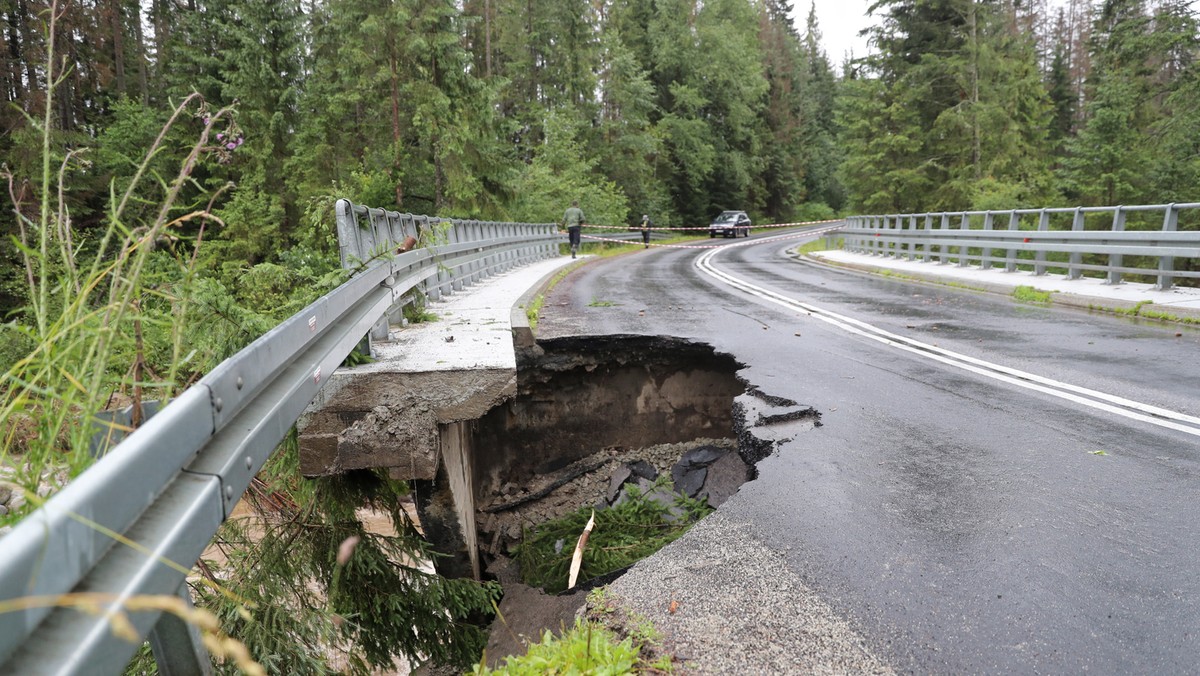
<point x="1174" y="315"/>
<point x="522" y="332"/>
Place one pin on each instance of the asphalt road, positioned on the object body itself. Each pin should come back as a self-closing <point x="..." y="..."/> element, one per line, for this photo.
<point x="962" y="518"/>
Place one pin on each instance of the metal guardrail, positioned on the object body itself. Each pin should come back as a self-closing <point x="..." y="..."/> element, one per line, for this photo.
<point x="171" y="483"/>
<point x="1028" y="235"/>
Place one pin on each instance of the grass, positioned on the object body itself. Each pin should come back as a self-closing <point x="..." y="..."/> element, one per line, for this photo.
<point x="587" y="648"/>
<point x="533" y="312"/>
<point x="602" y="303"/>
<point x="817" y="245"/>
<point x="417" y="314"/>
<point x="609" y="640"/>
<point x="1166" y="316"/>
<point x="1028" y="294"/>
<point x="623" y="534"/>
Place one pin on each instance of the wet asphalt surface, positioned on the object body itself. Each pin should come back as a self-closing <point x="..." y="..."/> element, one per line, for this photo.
<point x="959" y="524"/>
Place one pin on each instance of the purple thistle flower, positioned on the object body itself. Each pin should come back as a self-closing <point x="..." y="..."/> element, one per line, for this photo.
<point x="230" y="146"/>
<point x="239" y="140"/>
<point x="220" y="136"/>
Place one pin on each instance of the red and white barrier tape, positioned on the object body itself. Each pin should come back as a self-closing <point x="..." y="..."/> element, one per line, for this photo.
<point x="652" y="229"/>
<point x="798" y="235"/>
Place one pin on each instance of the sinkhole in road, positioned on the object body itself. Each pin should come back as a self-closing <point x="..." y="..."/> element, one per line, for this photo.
<point x="600" y="422"/>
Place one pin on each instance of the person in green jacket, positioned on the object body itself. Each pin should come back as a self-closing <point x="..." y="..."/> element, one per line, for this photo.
<point x="573" y="220"/>
<point x="646" y="225"/>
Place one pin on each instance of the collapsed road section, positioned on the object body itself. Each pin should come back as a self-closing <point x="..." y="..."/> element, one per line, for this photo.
<point x="490" y="451"/>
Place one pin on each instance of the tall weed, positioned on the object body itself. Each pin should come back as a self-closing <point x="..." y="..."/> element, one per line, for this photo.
<point x="97" y="301"/>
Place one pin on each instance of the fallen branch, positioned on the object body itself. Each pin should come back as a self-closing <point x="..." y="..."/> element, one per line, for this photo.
<point x="546" y="490"/>
<point x="577" y="557"/>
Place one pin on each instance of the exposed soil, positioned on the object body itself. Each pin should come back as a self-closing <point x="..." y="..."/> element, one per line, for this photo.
<point x="526" y="613"/>
<point x="501" y="529"/>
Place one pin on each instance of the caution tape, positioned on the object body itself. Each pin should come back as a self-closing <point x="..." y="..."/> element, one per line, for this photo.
<point x="638" y="228"/>
<point x="798" y="235"/>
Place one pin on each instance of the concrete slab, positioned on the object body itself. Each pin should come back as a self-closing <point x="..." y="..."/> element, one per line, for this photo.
<point x="387" y="413"/>
<point x="1086" y="292"/>
<point x="475" y="324"/>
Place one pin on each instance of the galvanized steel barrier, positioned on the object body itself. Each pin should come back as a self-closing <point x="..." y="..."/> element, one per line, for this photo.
<point x="1028" y="235"/>
<point x="172" y="482"/>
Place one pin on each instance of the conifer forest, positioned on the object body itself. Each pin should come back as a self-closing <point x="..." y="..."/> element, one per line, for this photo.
<point x="169" y="169"/>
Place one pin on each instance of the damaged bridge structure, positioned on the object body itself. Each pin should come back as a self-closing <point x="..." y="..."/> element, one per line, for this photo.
<point x="484" y="421"/>
<point x="468" y="408"/>
<point x="171" y="483"/>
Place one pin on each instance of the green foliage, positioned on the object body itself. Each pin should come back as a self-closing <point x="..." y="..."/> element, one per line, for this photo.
<point x="815" y="211"/>
<point x="562" y="173"/>
<point x="289" y="599"/>
<point x="102" y="311"/>
<point x="623" y="534"/>
<point x="416" y="313"/>
<point x="1028" y="294"/>
<point x="534" y="311"/>
<point x="587" y="648"/>
<point x="819" y="244"/>
<point x="954" y="114"/>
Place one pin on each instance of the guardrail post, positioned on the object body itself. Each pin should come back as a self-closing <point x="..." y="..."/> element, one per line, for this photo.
<point x="1115" y="260"/>
<point x="1076" y="258"/>
<point x="379" y="232"/>
<point x="481" y="231"/>
<point x="177" y="646"/>
<point x="509" y="256"/>
<point x="964" y="224"/>
<point x="457" y="235"/>
<point x="943" y="255"/>
<point x="347" y="231"/>
<point x="470" y="274"/>
<point x="1039" y="256"/>
<point x="1166" y="264"/>
<point x="501" y="258"/>
<point x="897" y="238"/>
<point x="925" y="246"/>
<point x="985" y="256"/>
<point x="1010" y="256"/>
<point x="911" y="244"/>
<point x="433" y="285"/>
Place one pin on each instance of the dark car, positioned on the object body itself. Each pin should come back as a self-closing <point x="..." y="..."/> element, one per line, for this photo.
<point x="730" y="224"/>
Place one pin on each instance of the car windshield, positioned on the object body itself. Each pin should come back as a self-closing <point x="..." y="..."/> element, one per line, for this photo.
<point x="727" y="217"/>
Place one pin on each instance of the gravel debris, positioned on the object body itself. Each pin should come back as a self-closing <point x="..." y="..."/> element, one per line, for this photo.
<point x="726" y="604"/>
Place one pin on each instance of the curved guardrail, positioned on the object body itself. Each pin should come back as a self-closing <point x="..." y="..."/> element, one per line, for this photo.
<point x="171" y="483"/>
<point x="1028" y="235"/>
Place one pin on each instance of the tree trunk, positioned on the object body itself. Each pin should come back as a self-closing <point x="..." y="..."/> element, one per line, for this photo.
<point x="13" y="48"/>
<point x="161" y="35"/>
<point x="487" y="38"/>
<point x="972" y="18"/>
<point x="140" y="39"/>
<point x="27" y="39"/>
<point x="118" y="43"/>
<point x="393" y="65"/>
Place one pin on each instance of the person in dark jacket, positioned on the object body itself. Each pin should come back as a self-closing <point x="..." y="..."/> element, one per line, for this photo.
<point x="646" y="225"/>
<point x="573" y="220"/>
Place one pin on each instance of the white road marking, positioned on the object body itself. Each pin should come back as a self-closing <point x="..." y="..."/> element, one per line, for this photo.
<point x="1081" y="395"/>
